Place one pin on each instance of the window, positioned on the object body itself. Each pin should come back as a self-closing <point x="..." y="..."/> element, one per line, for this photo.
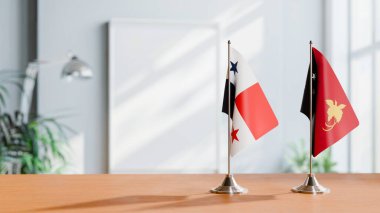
<point x="352" y="45"/>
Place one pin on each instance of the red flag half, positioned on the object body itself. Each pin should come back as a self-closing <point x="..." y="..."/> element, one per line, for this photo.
<point x="333" y="114"/>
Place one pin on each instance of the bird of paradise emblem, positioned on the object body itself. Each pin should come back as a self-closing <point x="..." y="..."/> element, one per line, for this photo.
<point x="334" y="114"/>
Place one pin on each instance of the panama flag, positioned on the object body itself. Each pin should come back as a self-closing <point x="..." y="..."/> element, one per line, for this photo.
<point x="251" y="114"/>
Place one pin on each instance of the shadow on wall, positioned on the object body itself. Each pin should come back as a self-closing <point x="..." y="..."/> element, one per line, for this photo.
<point x="164" y="111"/>
<point x="162" y="122"/>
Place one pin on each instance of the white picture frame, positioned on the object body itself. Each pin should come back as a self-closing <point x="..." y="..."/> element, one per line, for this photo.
<point x="164" y="95"/>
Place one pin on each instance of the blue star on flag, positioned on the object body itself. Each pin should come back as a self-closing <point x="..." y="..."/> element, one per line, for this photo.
<point x="234" y="67"/>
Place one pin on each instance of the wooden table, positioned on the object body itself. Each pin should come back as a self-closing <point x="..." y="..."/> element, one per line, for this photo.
<point x="184" y="193"/>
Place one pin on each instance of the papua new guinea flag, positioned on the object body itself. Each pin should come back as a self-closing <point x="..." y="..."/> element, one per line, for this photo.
<point x="251" y="114"/>
<point x="332" y="114"/>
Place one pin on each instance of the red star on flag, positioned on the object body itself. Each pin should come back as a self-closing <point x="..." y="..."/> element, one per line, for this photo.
<point x="234" y="134"/>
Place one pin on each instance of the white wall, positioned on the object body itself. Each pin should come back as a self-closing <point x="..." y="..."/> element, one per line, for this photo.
<point x="272" y="34"/>
<point x="13" y="41"/>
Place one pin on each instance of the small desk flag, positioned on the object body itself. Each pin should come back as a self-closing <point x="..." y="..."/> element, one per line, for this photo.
<point x="333" y="116"/>
<point x="251" y="114"/>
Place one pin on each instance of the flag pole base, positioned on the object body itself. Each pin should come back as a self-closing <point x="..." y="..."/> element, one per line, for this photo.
<point x="229" y="186"/>
<point x="311" y="186"/>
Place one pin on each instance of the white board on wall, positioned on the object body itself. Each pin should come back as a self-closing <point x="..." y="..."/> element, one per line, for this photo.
<point x="163" y="95"/>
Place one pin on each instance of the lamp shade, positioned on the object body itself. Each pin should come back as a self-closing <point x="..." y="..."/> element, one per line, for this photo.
<point x="76" y="68"/>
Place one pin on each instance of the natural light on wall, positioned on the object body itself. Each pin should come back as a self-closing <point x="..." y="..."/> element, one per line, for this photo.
<point x="352" y="34"/>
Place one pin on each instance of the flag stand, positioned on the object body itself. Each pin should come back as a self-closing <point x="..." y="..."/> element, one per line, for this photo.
<point x="229" y="185"/>
<point x="311" y="185"/>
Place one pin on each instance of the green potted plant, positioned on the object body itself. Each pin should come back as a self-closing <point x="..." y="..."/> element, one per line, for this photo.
<point x="32" y="146"/>
<point x="298" y="160"/>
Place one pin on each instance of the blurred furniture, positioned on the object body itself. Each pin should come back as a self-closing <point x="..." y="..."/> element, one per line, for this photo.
<point x="184" y="193"/>
<point x="73" y="68"/>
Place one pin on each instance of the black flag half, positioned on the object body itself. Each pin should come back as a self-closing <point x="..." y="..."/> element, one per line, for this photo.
<point x="305" y="106"/>
<point x="225" y="99"/>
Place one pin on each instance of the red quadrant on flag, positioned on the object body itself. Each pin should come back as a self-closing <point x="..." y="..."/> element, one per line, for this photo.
<point x="334" y="115"/>
<point x="256" y="111"/>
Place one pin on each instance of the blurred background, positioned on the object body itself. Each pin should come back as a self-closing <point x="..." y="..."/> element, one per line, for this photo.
<point x="147" y="79"/>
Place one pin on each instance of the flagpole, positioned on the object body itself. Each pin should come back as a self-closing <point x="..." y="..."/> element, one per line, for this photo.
<point x="229" y="185"/>
<point x="311" y="108"/>
<point x="229" y="110"/>
<point x="311" y="185"/>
